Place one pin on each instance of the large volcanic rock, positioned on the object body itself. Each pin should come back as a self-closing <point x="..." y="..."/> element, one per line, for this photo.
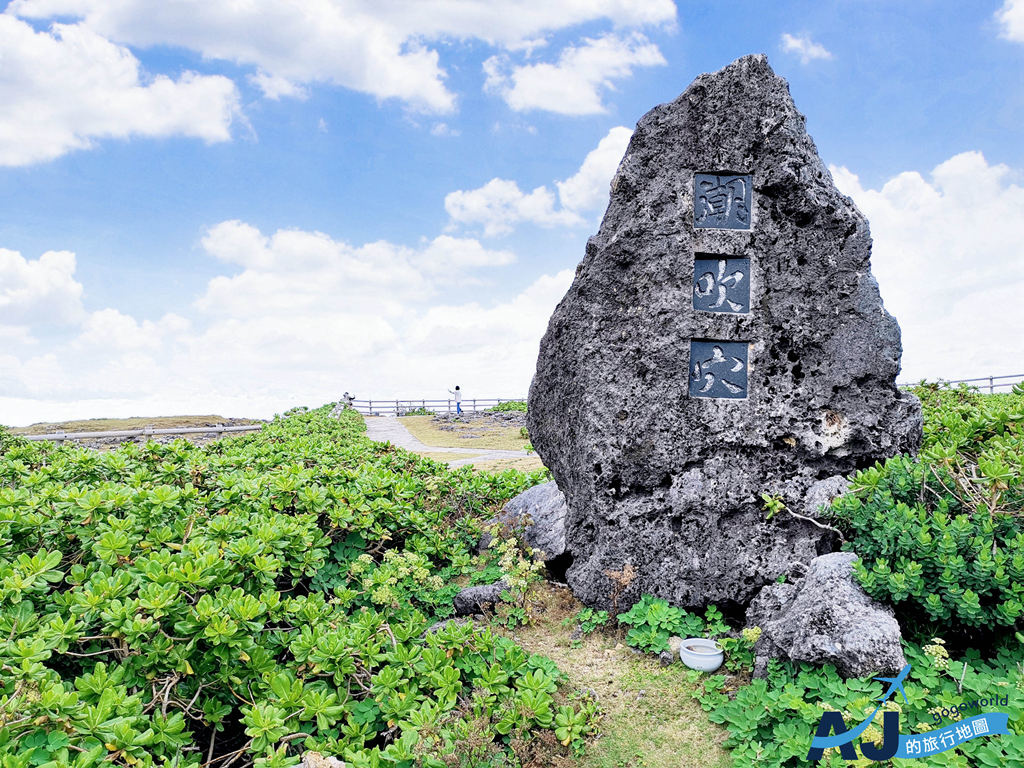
<point x="723" y="337"/>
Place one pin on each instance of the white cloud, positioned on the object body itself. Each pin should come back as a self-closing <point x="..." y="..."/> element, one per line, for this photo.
<point x="111" y="329"/>
<point x="1011" y="18"/>
<point x="949" y="257"/>
<point x="296" y="271"/>
<point x="375" y="48"/>
<point x="804" y="47"/>
<point x="500" y="205"/>
<point x="306" y="317"/>
<point x="62" y="89"/>
<point x="575" y="83"/>
<point x="443" y="129"/>
<point x="275" y="87"/>
<point x="587" y="189"/>
<point x="41" y="292"/>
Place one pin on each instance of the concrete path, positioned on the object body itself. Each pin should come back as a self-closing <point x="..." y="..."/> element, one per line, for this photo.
<point x="389" y="429"/>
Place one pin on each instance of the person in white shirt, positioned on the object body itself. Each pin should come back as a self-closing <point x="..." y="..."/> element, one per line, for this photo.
<point x="458" y="398"/>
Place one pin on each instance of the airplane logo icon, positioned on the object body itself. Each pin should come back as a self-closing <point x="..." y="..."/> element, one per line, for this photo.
<point x="896" y="684"/>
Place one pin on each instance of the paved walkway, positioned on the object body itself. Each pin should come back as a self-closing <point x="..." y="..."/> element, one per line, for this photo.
<point x="388" y="429"/>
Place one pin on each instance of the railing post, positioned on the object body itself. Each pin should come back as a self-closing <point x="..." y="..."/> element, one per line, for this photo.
<point x="369" y="408"/>
<point x="449" y="405"/>
<point x="991" y="386"/>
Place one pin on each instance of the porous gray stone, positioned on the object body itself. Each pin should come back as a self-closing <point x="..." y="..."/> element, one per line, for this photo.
<point x="471" y="600"/>
<point x="821" y="494"/>
<point x="539" y="512"/>
<point x="670" y="482"/>
<point x="826" y="619"/>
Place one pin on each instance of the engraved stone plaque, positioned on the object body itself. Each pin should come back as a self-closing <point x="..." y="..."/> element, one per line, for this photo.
<point x="721" y="201"/>
<point x="721" y="284"/>
<point x="718" y="369"/>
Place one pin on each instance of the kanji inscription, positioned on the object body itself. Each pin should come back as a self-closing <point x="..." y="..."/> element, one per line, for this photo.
<point x="718" y="369"/>
<point x="721" y="284"/>
<point x="721" y="201"/>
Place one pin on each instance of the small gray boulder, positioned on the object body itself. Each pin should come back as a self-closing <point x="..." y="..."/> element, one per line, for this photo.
<point x="472" y="599"/>
<point x="826" y="619"/>
<point x="545" y="528"/>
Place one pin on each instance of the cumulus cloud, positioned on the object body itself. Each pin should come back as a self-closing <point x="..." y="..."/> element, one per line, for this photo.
<point x="306" y="317"/>
<point x="575" y="83"/>
<point x="39" y="292"/>
<point x="949" y="258"/>
<point x="587" y="189"/>
<point x="804" y="47"/>
<point x="500" y="205"/>
<point x="298" y="270"/>
<point x="1011" y="20"/>
<point x="375" y="48"/>
<point x="112" y="329"/>
<point x="64" y="88"/>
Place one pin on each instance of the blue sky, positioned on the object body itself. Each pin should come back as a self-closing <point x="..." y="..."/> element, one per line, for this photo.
<point x="248" y="209"/>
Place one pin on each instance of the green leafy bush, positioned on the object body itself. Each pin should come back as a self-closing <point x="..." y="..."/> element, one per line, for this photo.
<point x="420" y="411"/>
<point x="510" y="405"/>
<point x="252" y="599"/>
<point x="771" y="721"/>
<point x="940" y="536"/>
<point x="653" y="621"/>
<point x="590" y="620"/>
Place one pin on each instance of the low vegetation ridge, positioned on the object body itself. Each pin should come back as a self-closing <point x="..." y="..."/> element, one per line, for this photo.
<point x="134" y="422"/>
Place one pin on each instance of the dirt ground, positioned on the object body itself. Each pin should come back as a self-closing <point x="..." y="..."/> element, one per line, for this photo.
<point x="470" y="431"/>
<point x="650" y="719"/>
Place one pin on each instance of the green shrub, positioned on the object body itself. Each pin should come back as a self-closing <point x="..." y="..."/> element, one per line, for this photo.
<point x="940" y="536"/>
<point x="420" y="411"/>
<point x="265" y="595"/>
<point x="771" y="721"/>
<point x="588" y="620"/>
<point x="653" y="621"/>
<point x="510" y="405"/>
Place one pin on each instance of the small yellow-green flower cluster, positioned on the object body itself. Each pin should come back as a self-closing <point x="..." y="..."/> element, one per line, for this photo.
<point x="751" y="634"/>
<point x="360" y="564"/>
<point x="518" y="569"/>
<point x="936" y="651"/>
<point x="385" y="584"/>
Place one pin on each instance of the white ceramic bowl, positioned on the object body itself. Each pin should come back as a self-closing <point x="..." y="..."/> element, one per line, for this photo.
<point x="701" y="654"/>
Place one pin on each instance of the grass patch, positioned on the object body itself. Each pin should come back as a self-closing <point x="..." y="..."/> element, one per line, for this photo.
<point x="445" y="457"/>
<point x="486" y="433"/>
<point x="650" y="719"/>
<point x="135" y="422"/>
<point x="524" y="464"/>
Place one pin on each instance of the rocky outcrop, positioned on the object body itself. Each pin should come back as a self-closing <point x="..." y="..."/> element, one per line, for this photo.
<point x="826" y="618"/>
<point x="474" y="599"/>
<point x="538" y="515"/>
<point x="723" y="338"/>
